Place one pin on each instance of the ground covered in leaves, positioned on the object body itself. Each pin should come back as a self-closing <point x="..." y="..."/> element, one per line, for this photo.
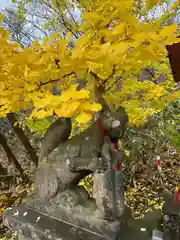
<point x="14" y="196"/>
<point x="151" y="186"/>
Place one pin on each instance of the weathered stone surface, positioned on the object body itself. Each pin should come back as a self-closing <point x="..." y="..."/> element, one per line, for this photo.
<point x="58" y="132"/>
<point x="171" y="219"/>
<point x="89" y="151"/>
<point x="75" y="206"/>
<point x="33" y="224"/>
<point x="109" y="197"/>
<point x="38" y="225"/>
<point x="47" y="182"/>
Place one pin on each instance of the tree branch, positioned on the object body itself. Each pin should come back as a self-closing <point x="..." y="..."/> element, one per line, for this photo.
<point x="53" y="80"/>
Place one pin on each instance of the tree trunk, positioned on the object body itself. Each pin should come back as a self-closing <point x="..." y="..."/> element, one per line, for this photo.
<point x="21" y="135"/>
<point x="11" y="158"/>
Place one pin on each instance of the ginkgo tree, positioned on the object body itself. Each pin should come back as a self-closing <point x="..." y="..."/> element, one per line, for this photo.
<point x="117" y="40"/>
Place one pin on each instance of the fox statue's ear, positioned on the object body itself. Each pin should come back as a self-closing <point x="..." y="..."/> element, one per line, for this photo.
<point x="105" y="106"/>
<point x="98" y="93"/>
<point x="121" y="111"/>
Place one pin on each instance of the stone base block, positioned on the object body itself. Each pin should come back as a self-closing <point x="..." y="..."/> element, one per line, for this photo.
<point x="71" y="216"/>
<point x="33" y="224"/>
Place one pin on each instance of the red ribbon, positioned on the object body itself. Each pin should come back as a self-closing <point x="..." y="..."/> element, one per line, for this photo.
<point x="117" y="166"/>
<point x="178" y="196"/>
<point x="158" y="162"/>
<point x="100" y="128"/>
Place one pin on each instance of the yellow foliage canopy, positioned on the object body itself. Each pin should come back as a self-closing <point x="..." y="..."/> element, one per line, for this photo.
<point x="115" y="44"/>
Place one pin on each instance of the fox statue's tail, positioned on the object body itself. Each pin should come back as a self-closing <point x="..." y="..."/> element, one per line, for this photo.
<point x="58" y="132"/>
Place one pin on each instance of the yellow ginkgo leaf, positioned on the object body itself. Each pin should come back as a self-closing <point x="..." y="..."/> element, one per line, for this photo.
<point x="2" y="210"/>
<point x="120" y="48"/>
<point x="119" y="29"/>
<point x="92" y="16"/>
<point x="67" y="109"/>
<point x="84" y="117"/>
<point x="66" y="96"/>
<point x="60" y="112"/>
<point x="168" y="30"/>
<point x="41" y="113"/>
<point x="1" y="17"/>
<point x="4" y="34"/>
<point x="94" y="107"/>
<point x="82" y="94"/>
<point x="32" y="187"/>
<point x="73" y="106"/>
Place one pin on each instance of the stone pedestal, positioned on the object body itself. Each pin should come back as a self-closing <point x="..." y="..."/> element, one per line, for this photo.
<point x="32" y="224"/>
<point x="41" y="220"/>
<point x="40" y="224"/>
<point x="171" y="220"/>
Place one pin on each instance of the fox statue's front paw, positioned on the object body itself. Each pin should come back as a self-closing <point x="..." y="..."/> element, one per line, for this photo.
<point x="47" y="182"/>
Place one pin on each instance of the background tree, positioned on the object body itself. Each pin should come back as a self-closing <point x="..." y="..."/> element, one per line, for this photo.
<point x="45" y="17"/>
<point x="17" y="28"/>
<point x="10" y="155"/>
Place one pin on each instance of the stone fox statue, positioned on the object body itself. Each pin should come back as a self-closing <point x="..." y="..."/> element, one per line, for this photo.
<point x="88" y="151"/>
<point x="58" y="132"/>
